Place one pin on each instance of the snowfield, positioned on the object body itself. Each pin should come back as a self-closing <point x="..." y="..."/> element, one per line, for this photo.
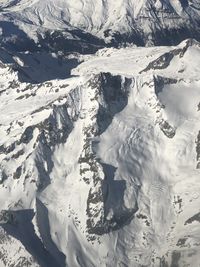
<point x="100" y="167"/>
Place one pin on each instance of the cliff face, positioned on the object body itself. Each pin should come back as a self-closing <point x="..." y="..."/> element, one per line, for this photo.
<point x="99" y="133"/>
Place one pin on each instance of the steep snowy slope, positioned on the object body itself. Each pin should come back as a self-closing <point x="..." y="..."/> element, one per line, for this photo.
<point x="102" y="168"/>
<point x="141" y="22"/>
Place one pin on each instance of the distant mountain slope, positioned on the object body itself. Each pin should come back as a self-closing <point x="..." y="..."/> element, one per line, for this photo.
<point x="144" y="22"/>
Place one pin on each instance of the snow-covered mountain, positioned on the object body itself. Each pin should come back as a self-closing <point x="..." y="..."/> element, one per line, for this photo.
<point x="101" y="168"/>
<point x="100" y="133"/>
<point x="97" y="22"/>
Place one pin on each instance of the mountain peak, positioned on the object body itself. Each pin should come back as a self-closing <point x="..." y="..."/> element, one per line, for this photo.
<point x="100" y="133"/>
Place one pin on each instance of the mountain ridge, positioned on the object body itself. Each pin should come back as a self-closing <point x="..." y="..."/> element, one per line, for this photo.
<point x="101" y="193"/>
<point x="100" y="133"/>
<point x="110" y="22"/>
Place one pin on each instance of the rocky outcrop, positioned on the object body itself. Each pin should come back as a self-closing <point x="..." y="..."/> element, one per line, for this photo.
<point x="111" y="95"/>
<point x="198" y="150"/>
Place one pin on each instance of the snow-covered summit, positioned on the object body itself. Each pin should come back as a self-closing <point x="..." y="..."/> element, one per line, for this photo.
<point x="99" y="152"/>
<point x="101" y="168"/>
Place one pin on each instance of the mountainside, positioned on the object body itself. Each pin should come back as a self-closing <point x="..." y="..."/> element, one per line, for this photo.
<point x="97" y="23"/>
<point x="100" y="133"/>
<point x="100" y="168"/>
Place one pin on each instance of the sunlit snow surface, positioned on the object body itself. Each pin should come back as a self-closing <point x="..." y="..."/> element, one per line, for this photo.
<point x="102" y="168"/>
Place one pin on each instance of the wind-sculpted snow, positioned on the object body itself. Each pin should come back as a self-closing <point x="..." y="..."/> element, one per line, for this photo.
<point x="100" y="168"/>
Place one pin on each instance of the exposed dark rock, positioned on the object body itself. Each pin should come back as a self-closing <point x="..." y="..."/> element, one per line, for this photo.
<point x="160" y="82"/>
<point x="198" y="150"/>
<point x="27" y="135"/>
<point x="175" y="259"/>
<point x="163" y="262"/>
<point x="6" y="216"/>
<point x="114" y="91"/>
<point x="167" y="129"/>
<point x="17" y="173"/>
<point x="195" y="218"/>
<point x="161" y="63"/>
<point x="82" y="42"/>
<point x="164" y="60"/>
<point x="112" y="96"/>
<point x="181" y="242"/>
<point x="3" y="176"/>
